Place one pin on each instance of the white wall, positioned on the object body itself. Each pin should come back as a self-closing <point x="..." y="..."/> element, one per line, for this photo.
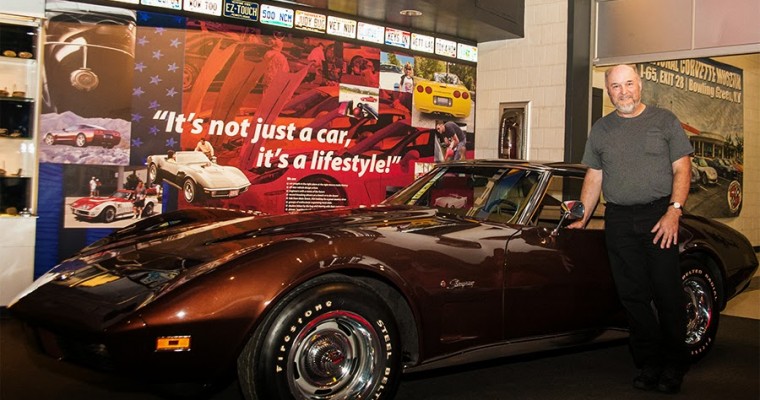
<point x="533" y="70"/>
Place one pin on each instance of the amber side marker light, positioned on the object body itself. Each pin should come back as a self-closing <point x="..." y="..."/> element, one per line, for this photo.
<point x="173" y="343"/>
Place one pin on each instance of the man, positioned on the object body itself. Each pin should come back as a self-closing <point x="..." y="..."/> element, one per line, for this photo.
<point x="455" y="139"/>
<point x="206" y="148"/>
<point x="638" y="158"/>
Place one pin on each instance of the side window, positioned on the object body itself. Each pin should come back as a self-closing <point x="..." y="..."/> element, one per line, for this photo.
<point x="509" y="196"/>
<point x="560" y="189"/>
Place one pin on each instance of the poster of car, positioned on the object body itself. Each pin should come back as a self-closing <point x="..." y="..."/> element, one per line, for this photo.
<point x="89" y="61"/>
<point x="707" y="96"/>
<point x="107" y="196"/>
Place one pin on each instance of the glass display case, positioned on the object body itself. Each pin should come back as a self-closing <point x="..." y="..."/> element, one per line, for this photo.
<point x="19" y="79"/>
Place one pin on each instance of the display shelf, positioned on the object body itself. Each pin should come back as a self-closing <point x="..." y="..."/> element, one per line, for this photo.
<point x="20" y="40"/>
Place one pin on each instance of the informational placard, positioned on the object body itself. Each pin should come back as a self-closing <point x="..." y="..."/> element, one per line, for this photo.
<point x="172" y="4"/>
<point x="241" y="9"/>
<point x="371" y="33"/>
<point x="276" y="16"/>
<point x="310" y="21"/>
<point x="341" y="27"/>
<point x="208" y="7"/>
<point x="467" y="52"/>
<point x="445" y="47"/>
<point x="397" y="37"/>
<point x="423" y="43"/>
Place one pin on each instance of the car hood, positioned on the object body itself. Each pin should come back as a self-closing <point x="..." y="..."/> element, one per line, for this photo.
<point x="132" y="267"/>
<point x="219" y="175"/>
<point x="94" y="201"/>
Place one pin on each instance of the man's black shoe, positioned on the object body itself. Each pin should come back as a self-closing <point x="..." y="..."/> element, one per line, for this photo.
<point x="670" y="381"/>
<point x="647" y="379"/>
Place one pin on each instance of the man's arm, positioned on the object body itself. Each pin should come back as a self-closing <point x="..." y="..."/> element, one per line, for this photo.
<point x="666" y="229"/>
<point x="590" y="193"/>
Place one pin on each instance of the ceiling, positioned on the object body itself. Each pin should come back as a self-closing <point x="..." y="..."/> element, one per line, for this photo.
<point x="475" y="21"/>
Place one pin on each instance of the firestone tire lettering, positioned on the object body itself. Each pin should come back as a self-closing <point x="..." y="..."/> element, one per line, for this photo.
<point x="332" y="338"/>
<point x="703" y="297"/>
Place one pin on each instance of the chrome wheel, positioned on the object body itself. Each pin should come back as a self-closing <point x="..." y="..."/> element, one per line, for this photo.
<point x="699" y="309"/>
<point x="335" y="356"/>
<point x="189" y="190"/>
<point x="49" y="139"/>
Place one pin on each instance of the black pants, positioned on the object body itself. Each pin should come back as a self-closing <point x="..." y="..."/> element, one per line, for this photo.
<point x="648" y="281"/>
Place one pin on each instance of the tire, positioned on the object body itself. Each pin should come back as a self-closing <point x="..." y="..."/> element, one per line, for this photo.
<point x="703" y="304"/>
<point x="330" y="339"/>
<point x="80" y="141"/>
<point x="190" y="190"/>
<point x="153" y="177"/>
<point x="108" y="215"/>
<point x="147" y="211"/>
<point x="49" y="139"/>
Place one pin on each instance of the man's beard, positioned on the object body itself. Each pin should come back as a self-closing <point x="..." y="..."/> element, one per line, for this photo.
<point x="627" y="108"/>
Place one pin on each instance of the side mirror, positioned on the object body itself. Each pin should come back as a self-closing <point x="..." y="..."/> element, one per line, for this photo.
<point x="571" y="210"/>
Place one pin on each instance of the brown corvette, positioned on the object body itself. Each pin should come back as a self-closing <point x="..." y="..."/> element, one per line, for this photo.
<point x="337" y="304"/>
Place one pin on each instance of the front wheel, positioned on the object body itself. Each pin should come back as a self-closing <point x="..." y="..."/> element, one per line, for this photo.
<point x="701" y="289"/>
<point x="331" y="339"/>
<point x="109" y="215"/>
<point x="190" y="190"/>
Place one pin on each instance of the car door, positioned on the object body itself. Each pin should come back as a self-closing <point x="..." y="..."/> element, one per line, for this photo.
<point x="558" y="281"/>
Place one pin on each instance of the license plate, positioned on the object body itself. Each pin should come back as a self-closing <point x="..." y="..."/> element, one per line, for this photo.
<point x="234" y="192"/>
<point x="442" y="101"/>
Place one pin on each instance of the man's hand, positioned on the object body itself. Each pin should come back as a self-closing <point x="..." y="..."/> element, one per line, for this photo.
<point x="666" y="229"/>
<point x="576" y="225"/>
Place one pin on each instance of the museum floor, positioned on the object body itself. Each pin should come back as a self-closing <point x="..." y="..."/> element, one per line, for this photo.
<point x="730" y="371"/>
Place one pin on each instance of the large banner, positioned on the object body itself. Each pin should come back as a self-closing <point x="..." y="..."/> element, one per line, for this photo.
<point x="707" y="96"/>
<point x="145" y="113"/>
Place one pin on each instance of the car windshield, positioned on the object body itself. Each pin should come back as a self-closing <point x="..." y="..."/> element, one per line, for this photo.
<point x="191" y="157"/>
<point x="442" y="77"/>
<point x="491" y="193"/>
<point x="122" y="195"/>
<point x="702" y="163"/>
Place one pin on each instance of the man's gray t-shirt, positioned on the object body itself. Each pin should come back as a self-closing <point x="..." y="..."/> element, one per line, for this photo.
<point x="636" y="155"/>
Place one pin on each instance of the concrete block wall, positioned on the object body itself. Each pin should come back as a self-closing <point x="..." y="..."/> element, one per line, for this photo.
<point x="531" y="70"/>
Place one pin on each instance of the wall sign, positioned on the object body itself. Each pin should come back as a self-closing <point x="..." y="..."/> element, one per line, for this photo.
<point x="341" y="27"/>
<point x="370" y="33"/>
<point x="309" y="21"/>
<point x="467" y="52"/>
<point x="241" y="9"/>
<point x="445" y="47"/>
<point x="423" y="43"/>
<point x="209" y="7"/>
<point x="172" y="4"/>
<point x="276" y="16"/>
<point x="397" y="37"/>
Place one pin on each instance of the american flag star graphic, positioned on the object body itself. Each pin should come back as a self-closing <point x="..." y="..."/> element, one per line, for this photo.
<point x="159" y="55"/>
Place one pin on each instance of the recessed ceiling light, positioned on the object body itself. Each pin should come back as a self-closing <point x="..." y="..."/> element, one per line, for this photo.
<point x="410" y="13"/>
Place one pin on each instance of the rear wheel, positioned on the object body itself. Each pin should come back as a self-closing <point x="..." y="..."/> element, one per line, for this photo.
<point x="153" y="178"/>
<point x="148" y="210"/>
<point x="331" y="339"/>
<point x="702" y="291"/>
<point x="49" y="139"/>
<point x="80" y="141"/>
